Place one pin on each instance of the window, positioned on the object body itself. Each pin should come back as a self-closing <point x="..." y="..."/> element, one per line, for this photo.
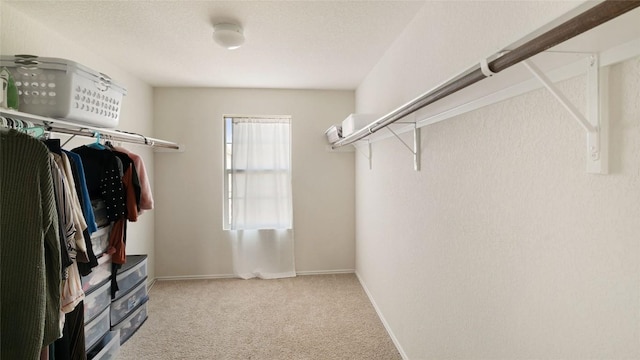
<point x="257" y="173"/>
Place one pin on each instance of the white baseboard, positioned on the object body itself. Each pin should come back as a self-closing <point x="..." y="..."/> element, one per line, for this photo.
<point x="384" y="321"/>
<point x="325" y="272"/>
<point x="232" y="276"/>
<point x="150" y="284"/>
<point x="195" y="277"/>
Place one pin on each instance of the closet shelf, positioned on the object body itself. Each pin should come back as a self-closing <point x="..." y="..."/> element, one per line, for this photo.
<point x="69" y="128"/>
<point x="566" y="47"/>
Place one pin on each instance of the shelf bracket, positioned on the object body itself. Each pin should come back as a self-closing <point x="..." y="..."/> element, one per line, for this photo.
<point x="366" y="155"/>
<point x="595" y="123"/>
<point x="415" y="150"/>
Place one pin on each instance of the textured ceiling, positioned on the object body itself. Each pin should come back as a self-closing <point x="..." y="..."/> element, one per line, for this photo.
<point x="289" y="44"/>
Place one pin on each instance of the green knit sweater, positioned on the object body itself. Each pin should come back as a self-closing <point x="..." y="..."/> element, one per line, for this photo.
<point x="30" y="269"/>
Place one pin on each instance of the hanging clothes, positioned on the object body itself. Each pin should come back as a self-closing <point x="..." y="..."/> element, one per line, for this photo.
<point x="81" y="189"/>
<point x="118" y="234"/>
<point x="69" y="182"/>
<point x="71" y="345"/>
<point x="146" y="197"/>
<point x="85" y="200"/>
<point x="72" y="292"/>
<point x="112" y="177"/>
<point x="78" y="218"/>
<point x="66" y="227"/>
<point x="131" y="185"/>
<point x="29" y="249"/>
<point x="103" y="179"/>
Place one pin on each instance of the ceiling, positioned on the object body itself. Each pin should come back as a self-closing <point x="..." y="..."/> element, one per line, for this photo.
<point x="289" y="44"/>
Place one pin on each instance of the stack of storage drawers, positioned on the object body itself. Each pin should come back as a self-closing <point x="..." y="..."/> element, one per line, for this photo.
<point x="101" y="344"/>
<point x="128" y="309"/>
<point x="110" y="322"/>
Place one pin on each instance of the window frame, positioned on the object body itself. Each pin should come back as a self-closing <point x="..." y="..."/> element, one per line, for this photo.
<point x="228" y="157"/>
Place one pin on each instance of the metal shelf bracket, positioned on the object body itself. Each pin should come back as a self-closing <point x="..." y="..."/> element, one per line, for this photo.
<point x="415" y="150"/>
<point x="595" y="123"/>
<point x="366" y="155"/>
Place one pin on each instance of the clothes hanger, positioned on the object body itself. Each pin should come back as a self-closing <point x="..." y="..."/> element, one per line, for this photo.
<point x="35" y="131"/>
<point x="97" y="145"/>
<point x="26" y="127"/>
<point x="4" y="124"/>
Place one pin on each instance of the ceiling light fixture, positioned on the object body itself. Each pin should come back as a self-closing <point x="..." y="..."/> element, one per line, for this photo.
<point x="229" y="36"/>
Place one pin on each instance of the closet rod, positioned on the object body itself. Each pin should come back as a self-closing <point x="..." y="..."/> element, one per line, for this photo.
<point x="577" y="25"/>
<point x="65" y="127"/>
<point x="115" y="136"/>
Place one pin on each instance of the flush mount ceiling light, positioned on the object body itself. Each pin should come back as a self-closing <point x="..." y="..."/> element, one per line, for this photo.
<point x="228" y="36"/>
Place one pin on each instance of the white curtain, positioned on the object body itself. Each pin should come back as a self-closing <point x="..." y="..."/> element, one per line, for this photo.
<point x="265" y="254"/>
<point x="261" y="202"/>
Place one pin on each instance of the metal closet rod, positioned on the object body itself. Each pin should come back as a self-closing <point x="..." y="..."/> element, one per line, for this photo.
<point x="577" y="25"/>
<point x="66" y="127"/>
<point x="115" y="136"/>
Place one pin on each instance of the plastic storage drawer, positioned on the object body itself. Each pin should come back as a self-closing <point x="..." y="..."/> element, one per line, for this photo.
<point x="63" y="89"/>
<point x="132" y="272"/>
<point x="96" y="329"/>
<point x="100" y="212"/>
<point x="131" y="323"/>
<point x="107" y="348"/>
<point x="98" y="274"/>
<point x="123" y="306"/>
<point x="96" y="301"/>
<point x="100" y="240"/>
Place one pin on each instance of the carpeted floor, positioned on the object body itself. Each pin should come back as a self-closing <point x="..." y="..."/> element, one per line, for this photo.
<point x="307" y="317"/>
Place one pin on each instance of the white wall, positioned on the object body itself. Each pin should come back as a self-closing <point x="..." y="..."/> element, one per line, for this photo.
<point x="502" y="246"/>
<point x="190" y="241"/>
<point x="22" y="35"/>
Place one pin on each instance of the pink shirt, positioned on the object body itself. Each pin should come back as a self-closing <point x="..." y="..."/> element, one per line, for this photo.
<point x="146" y="198"/>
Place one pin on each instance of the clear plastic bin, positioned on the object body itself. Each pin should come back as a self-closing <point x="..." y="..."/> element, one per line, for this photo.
<point x="98" y="274"/>
<point x="131" y="323"/>
<point x="122" y="307"/>
<point x="100" y="212"/>
<point x="132" y="272"/>
<point x="107" y="348"/>
<point x="100" y="240"/>
<point x="96" y="329"/>
<point x="96" y="301"/>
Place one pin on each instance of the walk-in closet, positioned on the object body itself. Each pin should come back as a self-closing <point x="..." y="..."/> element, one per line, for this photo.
<point x="322" y="180"/>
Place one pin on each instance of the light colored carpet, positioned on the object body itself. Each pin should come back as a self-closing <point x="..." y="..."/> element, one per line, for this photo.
<point x="307" y="317"/>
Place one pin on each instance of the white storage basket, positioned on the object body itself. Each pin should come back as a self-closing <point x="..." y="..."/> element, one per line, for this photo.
<point x="63" y="89"/>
